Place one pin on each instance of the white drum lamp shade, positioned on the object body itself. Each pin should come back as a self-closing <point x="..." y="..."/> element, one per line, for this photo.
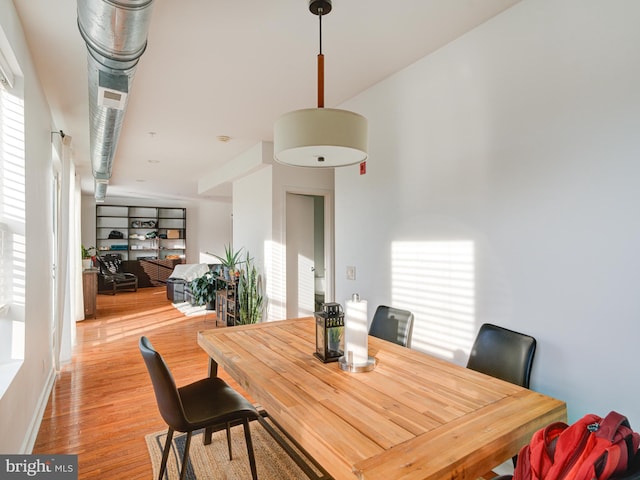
<point x="320" y="137"/>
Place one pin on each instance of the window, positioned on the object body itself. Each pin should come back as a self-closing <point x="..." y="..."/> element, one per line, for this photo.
<point x="12" y="227"/>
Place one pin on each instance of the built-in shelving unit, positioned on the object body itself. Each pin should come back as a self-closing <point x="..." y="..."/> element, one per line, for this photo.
<point x="149" y="240"/>
<point x="141" y="233"/>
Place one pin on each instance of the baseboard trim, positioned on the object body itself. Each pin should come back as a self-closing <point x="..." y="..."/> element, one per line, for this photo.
<point x="36" y="419"/>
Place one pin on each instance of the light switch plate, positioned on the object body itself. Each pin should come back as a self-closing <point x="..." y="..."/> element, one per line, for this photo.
<point x="351" y="273"/>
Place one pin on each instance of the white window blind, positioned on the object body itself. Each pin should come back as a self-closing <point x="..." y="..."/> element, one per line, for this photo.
<point x="12" y="228"/>
<point x="5" y="232"/>
<point x="6" y="75"/>
<point x="5" y="298"/>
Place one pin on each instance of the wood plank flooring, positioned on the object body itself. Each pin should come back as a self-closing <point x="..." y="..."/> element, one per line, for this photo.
<point x="102" y="404"/>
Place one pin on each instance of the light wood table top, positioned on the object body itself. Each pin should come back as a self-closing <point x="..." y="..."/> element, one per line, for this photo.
<point x="413" y="417"/>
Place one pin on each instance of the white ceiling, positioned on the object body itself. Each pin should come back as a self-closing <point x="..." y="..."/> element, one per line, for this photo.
<point x="230" y="67"/>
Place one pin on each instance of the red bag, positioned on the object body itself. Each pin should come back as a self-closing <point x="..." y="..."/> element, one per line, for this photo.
<point x="593" y="448"/>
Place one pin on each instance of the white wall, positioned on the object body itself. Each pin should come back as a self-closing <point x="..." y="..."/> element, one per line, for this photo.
<point x="252" y="215"/>
<point x="502" y="187"/>
<point x="253" y="226"/>
<point x="23" y="402"/>
<point x="209" y="229"/>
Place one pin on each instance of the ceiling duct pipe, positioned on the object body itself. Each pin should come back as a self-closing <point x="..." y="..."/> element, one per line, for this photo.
<point x="116" y="36"/>
<point x="100" y="189"/>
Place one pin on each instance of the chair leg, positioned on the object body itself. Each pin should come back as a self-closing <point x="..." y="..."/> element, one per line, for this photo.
<point x="208" y="432"/>
<point x="252" y="460"/>
<point x="229" y="440"/>
<point x="165" y="453"/>
<point x="185" y="457"/>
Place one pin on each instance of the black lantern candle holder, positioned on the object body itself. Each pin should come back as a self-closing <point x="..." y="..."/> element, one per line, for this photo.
<point x="330" y="332"/>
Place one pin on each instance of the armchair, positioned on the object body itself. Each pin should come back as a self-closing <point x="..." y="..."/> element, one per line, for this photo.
<point x="111" y="276"/>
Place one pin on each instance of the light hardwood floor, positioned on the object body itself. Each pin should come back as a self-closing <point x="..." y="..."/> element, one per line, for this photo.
<point x="102" y="404"/>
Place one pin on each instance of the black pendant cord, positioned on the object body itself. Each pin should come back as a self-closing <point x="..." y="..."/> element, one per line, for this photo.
<point x="320" y="21"/>
<point x="320" y="66"/>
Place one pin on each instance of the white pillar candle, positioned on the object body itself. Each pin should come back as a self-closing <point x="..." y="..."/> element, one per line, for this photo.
<point x="356" y="348"/>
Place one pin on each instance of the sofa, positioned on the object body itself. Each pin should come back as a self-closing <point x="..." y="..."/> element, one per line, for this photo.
<point x="182" y="275"/>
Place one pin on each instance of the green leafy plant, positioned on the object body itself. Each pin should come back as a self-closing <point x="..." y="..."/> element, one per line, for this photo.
<point x="229" y="261"/>
<point x="336" y="335"/>
<point x="230" y="258"/>
<point x="203" y="289"/>
<point x="250" y="298"/>
<point x="88" y="252"/>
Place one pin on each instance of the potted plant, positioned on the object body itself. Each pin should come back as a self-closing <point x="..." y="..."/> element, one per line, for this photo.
<point x="229" y="261"/>
<point x="203" y="290"/>
<point x="88" y="255"/>
<point x="250" y="298"/>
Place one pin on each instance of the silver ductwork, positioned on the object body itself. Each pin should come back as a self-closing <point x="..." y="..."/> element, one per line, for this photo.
<point x="115" y="32"/>
<point x="100" y="189"/>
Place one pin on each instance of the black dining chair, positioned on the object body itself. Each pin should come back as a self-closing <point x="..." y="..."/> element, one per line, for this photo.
<point x="392" y="324"/>
<point x="503" y="354"/>
<point x="207" y="403"/>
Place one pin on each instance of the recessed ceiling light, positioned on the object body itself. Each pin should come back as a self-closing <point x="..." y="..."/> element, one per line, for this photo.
<point x="223" y="138"/>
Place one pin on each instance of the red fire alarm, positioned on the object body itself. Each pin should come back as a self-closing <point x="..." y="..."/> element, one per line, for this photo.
<point x="363" y="167"/>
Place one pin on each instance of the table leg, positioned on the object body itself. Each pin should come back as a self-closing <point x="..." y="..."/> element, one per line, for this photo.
<point x="213" y="372"/>
<point x="213" y="368"/>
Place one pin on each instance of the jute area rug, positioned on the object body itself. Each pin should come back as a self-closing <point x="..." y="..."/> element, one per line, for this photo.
<point x="212" y="461"/>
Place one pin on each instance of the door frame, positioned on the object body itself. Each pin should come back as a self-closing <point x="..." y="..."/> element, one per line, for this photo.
<point x="57" y="326"/>
<point x="329" y="236"/>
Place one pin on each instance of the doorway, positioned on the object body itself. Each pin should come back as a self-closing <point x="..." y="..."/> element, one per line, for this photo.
<point x="308" y="253"/>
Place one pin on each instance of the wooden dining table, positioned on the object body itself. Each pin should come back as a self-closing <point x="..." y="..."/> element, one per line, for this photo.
<point x="413" y="416"/>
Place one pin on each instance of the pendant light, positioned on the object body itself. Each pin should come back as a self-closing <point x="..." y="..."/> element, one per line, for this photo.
<point x="320" y="137"/>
